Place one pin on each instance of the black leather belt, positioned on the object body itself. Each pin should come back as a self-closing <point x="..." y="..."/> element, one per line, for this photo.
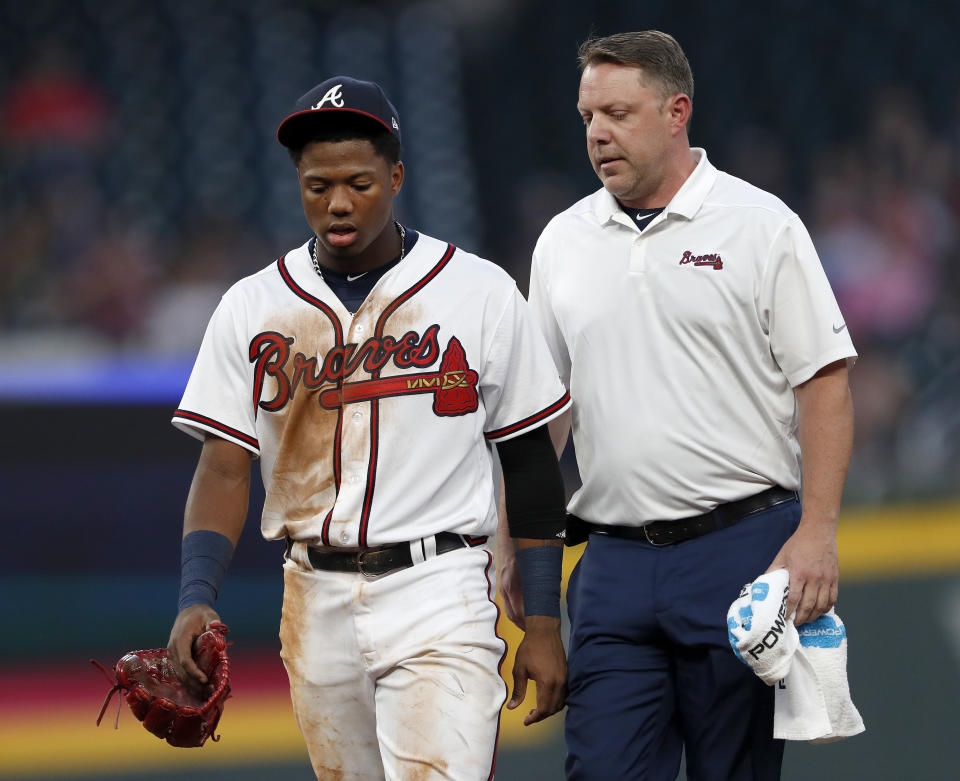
<point x="721" y="517"/>
<point x="379" y="561"/>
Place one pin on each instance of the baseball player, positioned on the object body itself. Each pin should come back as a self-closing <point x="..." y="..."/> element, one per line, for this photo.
<point x="704" y="350"/>
<point x="371" y="370"/>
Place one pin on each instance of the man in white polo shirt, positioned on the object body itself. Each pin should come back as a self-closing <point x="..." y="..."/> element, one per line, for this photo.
<point x="689" y="315"/>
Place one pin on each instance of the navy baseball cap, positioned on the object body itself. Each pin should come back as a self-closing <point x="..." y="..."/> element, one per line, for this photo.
<point x="337" y="96"/>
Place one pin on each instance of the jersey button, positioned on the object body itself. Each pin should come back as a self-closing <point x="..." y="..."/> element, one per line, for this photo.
<point x="344" y="536"/>
<point x="357" y="415"/>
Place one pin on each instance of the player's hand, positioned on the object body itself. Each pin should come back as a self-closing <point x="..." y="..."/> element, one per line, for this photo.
<point x="191" y="622"/>
<point x="541" y="658"/>
<point x="810" y="556"/>
<point x="508" y="582"/>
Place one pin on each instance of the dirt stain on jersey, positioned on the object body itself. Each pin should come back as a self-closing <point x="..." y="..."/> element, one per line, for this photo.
<point x="302" y="486"/>
<point x="356" y="444"/>
<point x="407" y="317"/>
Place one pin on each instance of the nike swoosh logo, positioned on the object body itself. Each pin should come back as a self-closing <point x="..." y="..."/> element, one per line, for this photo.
<point x="351" y="279"/>
<point x="838" y="330"/>
<point x="645" y="216"/>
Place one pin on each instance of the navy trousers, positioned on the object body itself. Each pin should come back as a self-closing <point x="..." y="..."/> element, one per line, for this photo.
<point x="651" y="671"/>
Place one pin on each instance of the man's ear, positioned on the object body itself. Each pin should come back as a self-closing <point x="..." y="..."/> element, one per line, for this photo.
<point x="679" y="108"/>
<point x="396" y="177"/>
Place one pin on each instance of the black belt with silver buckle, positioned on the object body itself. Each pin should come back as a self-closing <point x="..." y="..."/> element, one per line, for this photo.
<point x="379" y="561"/>
<point x="723" y="516"/>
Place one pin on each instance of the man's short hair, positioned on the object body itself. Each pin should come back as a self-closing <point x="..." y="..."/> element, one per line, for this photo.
<point x="347" y="128"/>
<point x="656" y="53"/>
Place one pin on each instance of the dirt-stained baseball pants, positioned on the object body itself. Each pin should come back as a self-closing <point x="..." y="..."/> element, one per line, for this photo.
<point x="396" y="677"/>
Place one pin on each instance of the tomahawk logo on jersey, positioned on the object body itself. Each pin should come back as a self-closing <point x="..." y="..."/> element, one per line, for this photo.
<point x="329" y="401"/>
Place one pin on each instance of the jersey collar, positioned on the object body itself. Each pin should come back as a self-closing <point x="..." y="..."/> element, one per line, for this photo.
<point x="299" y="264"/>
<point x="419" y="260"/>
<point x="686" y="203"/>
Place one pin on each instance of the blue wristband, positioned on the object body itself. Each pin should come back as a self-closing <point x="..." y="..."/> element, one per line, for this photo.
<point x="540" y="569"/>
<point x="204" y="558"/>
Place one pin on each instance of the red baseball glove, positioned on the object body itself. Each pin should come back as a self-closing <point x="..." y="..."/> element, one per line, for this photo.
<point x="159" y="699"/>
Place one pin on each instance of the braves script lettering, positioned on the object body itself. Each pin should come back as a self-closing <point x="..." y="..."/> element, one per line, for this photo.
<point x="713" y="259"/>
<point x="270" y="352"/>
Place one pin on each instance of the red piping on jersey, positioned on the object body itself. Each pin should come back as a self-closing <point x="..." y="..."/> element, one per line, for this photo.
<point x="338" y="342"/>
<point x="221" y="427"/>
<point x="325" y="308"/>
<point x="501" y="432"/>
<point x="486" y="574"/>
<point x="391" y="308"/>
<point x="374" y="404"/>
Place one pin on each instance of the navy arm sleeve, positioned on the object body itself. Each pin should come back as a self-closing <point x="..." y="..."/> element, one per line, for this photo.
<point x="536" y="503"/>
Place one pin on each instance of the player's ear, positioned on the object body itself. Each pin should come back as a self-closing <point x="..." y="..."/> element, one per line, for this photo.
<point x="396" y="178"/>
<point x="678" y="108"/>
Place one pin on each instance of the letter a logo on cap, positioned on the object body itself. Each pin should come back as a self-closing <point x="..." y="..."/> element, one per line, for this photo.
<point x="333" y="95"/>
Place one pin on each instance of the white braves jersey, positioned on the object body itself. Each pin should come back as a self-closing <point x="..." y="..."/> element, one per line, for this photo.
<point x="374" y="429"/>
<point x="681" y="345"/>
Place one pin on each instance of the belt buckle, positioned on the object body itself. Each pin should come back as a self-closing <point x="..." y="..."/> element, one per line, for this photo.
<point x="646" y="534"/>
<point x="360" y="566"/>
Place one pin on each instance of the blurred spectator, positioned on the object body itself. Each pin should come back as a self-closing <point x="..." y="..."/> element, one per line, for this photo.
<point x="54" y="124"/>
<point x="53" y="127"/>
<point x="26" y="281"/>
<point x="51" y="107"/>
<point x="757" y="154"/>
<point x="885" y="230"/>
<point x="537" y="196"/>
<point x="213" y="255"/>
<point x="111" y="286"/>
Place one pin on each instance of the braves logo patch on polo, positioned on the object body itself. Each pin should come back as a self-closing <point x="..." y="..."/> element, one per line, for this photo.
<point x="711" y="259"/>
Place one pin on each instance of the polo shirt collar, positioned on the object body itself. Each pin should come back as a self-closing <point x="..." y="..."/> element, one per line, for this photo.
<point x="687" y="201"/>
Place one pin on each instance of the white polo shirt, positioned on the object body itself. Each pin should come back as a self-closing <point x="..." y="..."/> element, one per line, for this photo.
<point x="681" y="345"/>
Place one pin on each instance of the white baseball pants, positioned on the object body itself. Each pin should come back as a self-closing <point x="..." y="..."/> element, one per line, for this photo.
<point x="397" y="677"/>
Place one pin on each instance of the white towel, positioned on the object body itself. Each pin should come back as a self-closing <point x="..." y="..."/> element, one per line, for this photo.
<point x="759" y="631"/>
<point x="808" y="664"/>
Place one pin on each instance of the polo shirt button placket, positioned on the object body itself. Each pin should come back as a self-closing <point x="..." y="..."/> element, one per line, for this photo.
<point x="638" y="257"/>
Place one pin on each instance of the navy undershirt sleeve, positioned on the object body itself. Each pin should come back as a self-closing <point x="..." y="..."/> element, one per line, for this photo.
<point x="535" y="496"/>
<point x="535" y="510"/>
